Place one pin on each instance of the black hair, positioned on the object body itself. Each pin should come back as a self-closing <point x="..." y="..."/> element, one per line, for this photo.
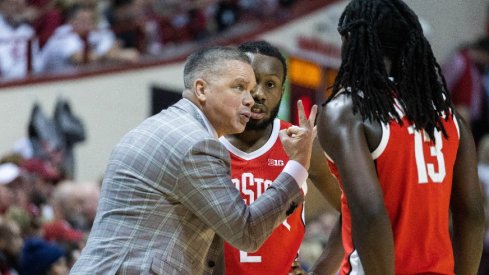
<point x="375" y="29"/>
<point x="207" y="61"/>
<point x="264" y="48"/>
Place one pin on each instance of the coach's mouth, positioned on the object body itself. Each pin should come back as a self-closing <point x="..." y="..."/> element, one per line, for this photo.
<point x="245" y="115"/>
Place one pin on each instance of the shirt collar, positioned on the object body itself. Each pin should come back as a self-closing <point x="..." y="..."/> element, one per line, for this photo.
<point x="208" y="125"/>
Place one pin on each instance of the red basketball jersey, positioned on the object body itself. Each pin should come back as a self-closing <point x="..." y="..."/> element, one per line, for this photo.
<point x="415" y="175"/>
<point x="252" y="174"/>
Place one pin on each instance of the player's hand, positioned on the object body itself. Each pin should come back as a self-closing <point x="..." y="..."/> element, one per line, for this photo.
<point x="297" y="140"/>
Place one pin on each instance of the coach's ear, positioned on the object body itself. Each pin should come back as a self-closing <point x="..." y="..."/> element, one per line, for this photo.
<point x="201" y="89"/>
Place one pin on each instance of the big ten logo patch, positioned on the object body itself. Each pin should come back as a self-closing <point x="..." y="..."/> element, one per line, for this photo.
<point x="276" y="162"/>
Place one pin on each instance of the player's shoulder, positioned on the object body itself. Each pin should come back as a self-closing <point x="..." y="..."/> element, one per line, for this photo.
<point x="338" y="112"/>
<point x="340" y="105"/>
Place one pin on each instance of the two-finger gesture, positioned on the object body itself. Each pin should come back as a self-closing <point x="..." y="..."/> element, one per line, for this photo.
<point x="297" y="140"/>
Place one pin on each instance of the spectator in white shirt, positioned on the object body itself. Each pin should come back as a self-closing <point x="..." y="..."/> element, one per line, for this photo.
<point x="80" y="42"/>
<point x="15" y="37"/>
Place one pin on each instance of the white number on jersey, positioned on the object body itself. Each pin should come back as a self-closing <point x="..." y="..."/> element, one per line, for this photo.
<point x="245" y="258"/>
<point x="428" y="169"/>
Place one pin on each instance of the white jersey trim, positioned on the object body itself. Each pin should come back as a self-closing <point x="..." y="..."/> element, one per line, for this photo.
<point x="386" y="132"/>
<point x="455" y="120"/>
<point x="356" y="264"/>
<point x="328" y="157"/>
<point x="260" y="151"/>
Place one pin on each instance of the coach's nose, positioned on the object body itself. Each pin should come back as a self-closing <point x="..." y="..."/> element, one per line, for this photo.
<point x="248" y="100"/>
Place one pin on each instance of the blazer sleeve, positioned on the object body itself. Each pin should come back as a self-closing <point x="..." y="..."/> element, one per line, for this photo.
<point x="204" y="186"/>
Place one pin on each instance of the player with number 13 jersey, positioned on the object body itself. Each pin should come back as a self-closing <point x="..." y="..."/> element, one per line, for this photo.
<point x="416" y="185"/>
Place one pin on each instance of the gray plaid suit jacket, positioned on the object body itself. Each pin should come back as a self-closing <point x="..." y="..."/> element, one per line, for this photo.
<point x="168" y="202"/>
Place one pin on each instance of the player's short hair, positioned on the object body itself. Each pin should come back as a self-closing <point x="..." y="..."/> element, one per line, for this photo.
<point x="265" y="48"/>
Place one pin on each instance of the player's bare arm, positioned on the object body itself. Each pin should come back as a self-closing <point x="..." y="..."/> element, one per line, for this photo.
<point x="329" y="261"/>
<point x="342" y="135"/>
<point x="321" y="177"/>
<point x="465" y="205"/>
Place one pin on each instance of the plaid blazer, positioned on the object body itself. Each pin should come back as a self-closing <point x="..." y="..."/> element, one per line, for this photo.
<point x="168" y="202"/>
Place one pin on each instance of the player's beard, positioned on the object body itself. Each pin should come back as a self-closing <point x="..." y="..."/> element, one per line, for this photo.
<point x="262" y="124"/>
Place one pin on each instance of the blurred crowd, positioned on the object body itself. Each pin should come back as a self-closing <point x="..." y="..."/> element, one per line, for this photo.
<point x="57" y="36"/>
<point x="44" y="220"/>
<point x="45" y="215"/>
<point x="467" y="75"/>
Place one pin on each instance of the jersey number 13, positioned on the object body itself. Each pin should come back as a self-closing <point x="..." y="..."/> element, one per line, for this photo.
<point x="427" y="169"/>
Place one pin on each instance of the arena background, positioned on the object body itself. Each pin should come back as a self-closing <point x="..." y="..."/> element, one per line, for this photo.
<point x="113" y="101"/>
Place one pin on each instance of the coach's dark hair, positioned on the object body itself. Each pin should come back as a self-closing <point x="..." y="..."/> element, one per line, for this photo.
<point x="375" y="29"/>
<point x="265" y="48"/>
<point x="208" y="61"/>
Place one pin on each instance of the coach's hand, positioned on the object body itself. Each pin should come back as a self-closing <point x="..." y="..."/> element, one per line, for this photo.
<point x="297" y="140"/>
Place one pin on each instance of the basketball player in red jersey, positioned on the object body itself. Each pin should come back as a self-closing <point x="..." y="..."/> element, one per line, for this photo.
<point x="257" y="157"/>
<point x="405" y="160"/>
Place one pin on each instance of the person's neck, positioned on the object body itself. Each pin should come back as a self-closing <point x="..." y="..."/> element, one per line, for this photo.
<point x="250" y="140"/>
